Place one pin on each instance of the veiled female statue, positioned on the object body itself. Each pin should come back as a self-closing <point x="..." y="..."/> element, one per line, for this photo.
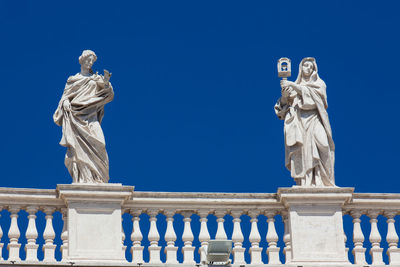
<point x="309" y="147"/>
<point x="80" y="112"/>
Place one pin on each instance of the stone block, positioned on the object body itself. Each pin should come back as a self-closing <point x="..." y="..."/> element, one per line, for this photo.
<point x="316" y="224"/>
<point x="94" y="220"/>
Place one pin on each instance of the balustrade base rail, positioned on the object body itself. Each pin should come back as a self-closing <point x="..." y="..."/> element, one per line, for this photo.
<point x="102" y="263"/>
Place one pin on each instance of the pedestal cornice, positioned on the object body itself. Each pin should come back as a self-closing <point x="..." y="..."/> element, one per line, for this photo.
<point x="94" y="192"/>
<point x="311" y="195"/>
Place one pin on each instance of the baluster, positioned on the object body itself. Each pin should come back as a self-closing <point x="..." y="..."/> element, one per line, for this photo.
<point x="272" y="239"/>
<point x="49" y="235"/>
<point x="187" y="238"/>
<point x="31" y="235"/>
<point x="358" y="238"/>
<point x="13" y="235"/>
<point x="220" y="235"/>
<point x="286" y="238"/>
<point x="204" y="235"/>
<point x="136" y="237"/>
<point x="170" y="237"/>
<point x="255" y="238"/>
<point x="1" y="235"/>
<point x="154" y="249"/>
<point x="375" y="239"/>
<point x="64" y="234"/>
<point x="237" y="238"/>
<point x="392" y="239"/>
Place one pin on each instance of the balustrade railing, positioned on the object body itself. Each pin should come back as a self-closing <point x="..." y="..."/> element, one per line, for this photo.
<point x="204" y="206"/>
<point x="369" y="242"/>
<point x="15" y="201"/>
<point x="172" y="228"/>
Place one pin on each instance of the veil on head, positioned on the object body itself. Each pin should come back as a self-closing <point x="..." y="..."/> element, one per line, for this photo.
<point x="314" y="76"/>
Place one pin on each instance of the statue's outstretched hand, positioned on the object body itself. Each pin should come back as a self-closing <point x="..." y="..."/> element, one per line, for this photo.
<point x="286" y="83"/>
<point x="107" y="76"/>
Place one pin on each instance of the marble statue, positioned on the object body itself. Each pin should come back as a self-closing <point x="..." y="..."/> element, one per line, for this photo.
<point x="80" y="112"/>
<point x="309" y="147"/>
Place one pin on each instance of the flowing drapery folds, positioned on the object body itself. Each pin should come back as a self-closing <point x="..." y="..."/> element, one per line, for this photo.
<point x="309" y="147"/>
<point x="86" y="157"/>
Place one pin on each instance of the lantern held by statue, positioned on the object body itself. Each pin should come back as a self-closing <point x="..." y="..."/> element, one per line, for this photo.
<point x="284" y="67"/>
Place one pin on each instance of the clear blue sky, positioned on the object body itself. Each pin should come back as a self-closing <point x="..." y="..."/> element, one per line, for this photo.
<point x="195" y="84"/>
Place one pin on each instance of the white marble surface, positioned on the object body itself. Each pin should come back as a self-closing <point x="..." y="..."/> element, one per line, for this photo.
<point x="312" y="211"/>
<point x="94" y="221"/>
<point x="316" y="224"/>
<point x="309" y="147"/>
<point x="80" y="112"/>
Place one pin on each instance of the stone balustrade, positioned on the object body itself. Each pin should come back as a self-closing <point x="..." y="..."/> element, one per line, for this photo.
<point x="171" y="228"/>
<point x="367" y="236"/>
<point x="254" y="206"/>
<point x="32" y="201"/>
<point x="227" y="210"/>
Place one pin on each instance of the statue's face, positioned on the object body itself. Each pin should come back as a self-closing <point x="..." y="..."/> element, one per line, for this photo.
<point x="308" y="68"/>
<point x="88" y="62"/>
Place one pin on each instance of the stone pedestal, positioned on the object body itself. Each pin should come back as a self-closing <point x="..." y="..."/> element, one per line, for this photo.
<point x="316" y="224"/>
<point x="238" y="255"/>
<point x="394" y="256"/>
<point x="94" y="220"/>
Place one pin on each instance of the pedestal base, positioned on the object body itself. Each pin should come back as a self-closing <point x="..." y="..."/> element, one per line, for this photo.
<point x="94" y="221"/>
<point x="238" y="255"/>
<point x="170" y="254"/>
<point x="255" y="255"/>
<point x="316" y="224"/>
<point x="137" y="254"/>
<point x="394" y="256"/>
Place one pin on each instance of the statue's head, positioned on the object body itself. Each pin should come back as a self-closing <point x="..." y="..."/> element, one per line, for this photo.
<point x="308" y="69"/>
<point x="87" y="59"/>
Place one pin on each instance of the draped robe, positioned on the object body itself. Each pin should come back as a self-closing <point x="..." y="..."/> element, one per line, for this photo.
<point x="309" y="146"/>
<point x="86" y="157"/>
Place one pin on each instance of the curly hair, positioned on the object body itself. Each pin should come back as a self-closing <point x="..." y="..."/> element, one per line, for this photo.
<point x="85" y="54"/>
